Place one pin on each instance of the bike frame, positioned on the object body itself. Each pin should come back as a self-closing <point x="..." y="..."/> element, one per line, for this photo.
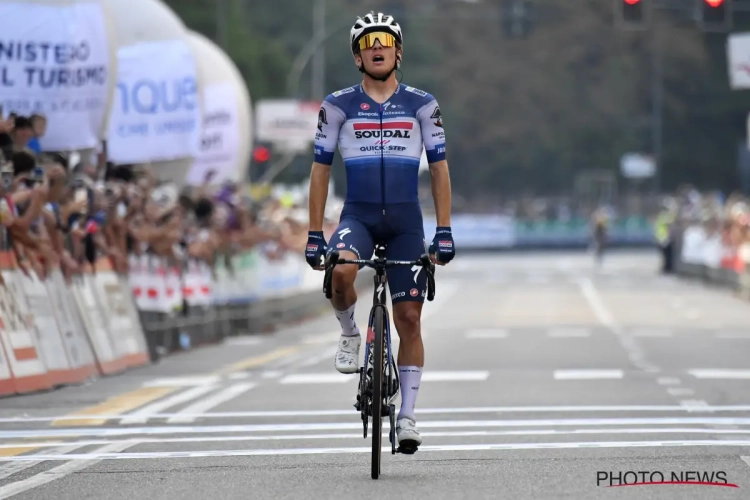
<point x="377" y="408"/>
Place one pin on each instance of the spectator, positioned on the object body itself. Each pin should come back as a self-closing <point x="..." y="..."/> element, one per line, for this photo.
<point x="39" y="128"/>
<point x="22" y="133"/>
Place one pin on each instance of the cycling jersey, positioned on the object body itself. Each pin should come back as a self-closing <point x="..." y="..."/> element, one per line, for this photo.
<point x="381" y="144"/>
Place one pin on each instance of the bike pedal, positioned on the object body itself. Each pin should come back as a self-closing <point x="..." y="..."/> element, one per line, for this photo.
<point x="407" y="449"/>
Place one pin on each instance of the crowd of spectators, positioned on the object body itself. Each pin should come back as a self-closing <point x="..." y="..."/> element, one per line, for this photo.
<point x="62" y="211"/>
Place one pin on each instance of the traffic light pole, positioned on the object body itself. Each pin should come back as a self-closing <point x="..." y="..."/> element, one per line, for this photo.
<point x="657" y="105"/>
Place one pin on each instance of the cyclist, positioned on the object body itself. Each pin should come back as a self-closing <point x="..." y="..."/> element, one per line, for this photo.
<point x="381" y="127"/>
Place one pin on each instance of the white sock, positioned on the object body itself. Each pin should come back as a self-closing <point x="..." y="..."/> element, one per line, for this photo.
<point x="346" y="320"/>
<point x="409" y="377"/>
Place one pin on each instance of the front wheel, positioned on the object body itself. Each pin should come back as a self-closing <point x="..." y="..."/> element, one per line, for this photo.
<point x="377" y="389"/>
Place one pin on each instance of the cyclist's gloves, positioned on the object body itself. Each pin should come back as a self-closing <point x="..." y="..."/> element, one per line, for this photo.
<point x="316" y="249"/>
<point x="442" y="245"/>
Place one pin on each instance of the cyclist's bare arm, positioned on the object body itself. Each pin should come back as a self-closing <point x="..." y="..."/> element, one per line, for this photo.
<point x="320" y="175"/>
<point x="441" y="191"/>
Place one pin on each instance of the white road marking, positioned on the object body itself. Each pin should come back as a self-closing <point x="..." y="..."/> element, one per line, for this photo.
<point x="651" y="333"/>
<point x="244" y="340"/>
<point x="486" y="333"/>
<point x="76" y="462"/>
<point x="318" y="378"/>
<point x="141" y="416"/>
<point x="695" y="405"/>
<point x="358" y="436"/>
<point x="203" y="405"/>
<point x="745" y="459"/>
<point x="668" y="381"/>
<point x="272" y="374"/>
<point x="96" y="456"/>
<point x="16" y="467"/>
<point x="569" y="333"/>
<point x="635" y="354"/>
<point x="239" y="376"/>
<point x="183" y="381"/>
<point x="419" y="411"/>
<point x="719" y="373"/>
<point x="322" y="338"/>
<point x="456" y="376"/>
<point x="680" y="391"/>
<point x="326" y="355"/>
<point x="587" y="374"/>
<point x="355" y="425"/>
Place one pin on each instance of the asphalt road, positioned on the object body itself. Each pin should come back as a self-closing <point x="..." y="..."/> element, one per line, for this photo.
<point x="545" y="379"/>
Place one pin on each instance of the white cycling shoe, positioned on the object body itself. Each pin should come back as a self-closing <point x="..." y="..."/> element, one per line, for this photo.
<point x="407" y="435"/>
<point x="347" y="354"/>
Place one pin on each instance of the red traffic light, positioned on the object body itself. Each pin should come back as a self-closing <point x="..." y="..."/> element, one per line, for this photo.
<point x="632" y="2"/>
<point x="715" y="3"/>
<point x="261" y="154"/>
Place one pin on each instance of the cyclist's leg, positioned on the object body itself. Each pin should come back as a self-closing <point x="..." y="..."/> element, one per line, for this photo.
<point x="353" y="241"/>
<point x="408" y="287"/>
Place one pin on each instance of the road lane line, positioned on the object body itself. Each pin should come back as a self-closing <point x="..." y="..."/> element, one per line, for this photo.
<point x="183" y="381"/>
<point x="634" y="352"/>
<point x="358" y="436"/>
<point x="259" y="360"/>
<point x="142" y="415"/>
<point x="680" y="391"/>
<point x="587" y="374"/>
<point x="88" y="459"/>
<point x="61" y="471"/>
<point x="15" y="467"/>
<point x="206" y="404"/>
<point x="718" y="374"/>
<point x="486" y="333"/>
<point x="564" y="333"/>
<point x="116" y="406"/>
<point x="419" y="411"/>
<point x="354" y="424"/>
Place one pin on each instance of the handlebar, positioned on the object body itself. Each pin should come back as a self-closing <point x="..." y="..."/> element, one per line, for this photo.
<point x="424" y="261"/>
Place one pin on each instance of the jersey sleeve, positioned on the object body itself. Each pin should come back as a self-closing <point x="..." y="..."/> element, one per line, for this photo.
<point x="433" y="135"/>
<point x="330" y="119"/>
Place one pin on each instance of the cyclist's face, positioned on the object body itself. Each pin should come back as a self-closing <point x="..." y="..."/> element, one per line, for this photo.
<point x="378" y="60"/>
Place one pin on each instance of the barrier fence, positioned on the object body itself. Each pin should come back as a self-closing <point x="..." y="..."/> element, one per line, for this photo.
<point x="713" y="256"/>
<point x="57" y="332"/>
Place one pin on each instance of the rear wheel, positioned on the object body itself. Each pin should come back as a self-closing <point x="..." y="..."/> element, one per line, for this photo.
<point x="377" y="390"/>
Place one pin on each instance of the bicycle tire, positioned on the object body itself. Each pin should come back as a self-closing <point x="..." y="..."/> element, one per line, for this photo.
<point x="377" y="390"/>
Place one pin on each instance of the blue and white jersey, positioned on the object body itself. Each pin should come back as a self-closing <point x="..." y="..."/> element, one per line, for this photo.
<point x="381" y="144"/>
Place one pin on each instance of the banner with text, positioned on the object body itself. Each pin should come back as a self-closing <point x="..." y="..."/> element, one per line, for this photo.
<point x="54" y="61"/>
<point x="220" y="135"/>
<point x="156" y="109"/>
<point x="288" y="123"/>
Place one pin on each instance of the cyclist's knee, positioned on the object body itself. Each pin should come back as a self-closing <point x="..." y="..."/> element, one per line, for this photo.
<point x="407" y="317"/>
<point x="344" y="275"/>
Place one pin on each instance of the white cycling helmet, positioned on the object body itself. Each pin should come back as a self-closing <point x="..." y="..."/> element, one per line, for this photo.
<point x="374" y="22"/>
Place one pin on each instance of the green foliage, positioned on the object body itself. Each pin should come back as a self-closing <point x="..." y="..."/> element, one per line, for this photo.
<point x="525" y="114"/>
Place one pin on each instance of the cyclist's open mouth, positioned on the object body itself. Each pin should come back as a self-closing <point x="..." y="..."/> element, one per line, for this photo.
<point x="378" y="59"/>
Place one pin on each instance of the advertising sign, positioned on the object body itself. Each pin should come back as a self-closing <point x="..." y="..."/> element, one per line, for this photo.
<point x="288" y="123"/>
<point x="738" y="60"/>
<point x="156" y="112"/>
<point x="220" y="135"/>
<point x="54" y="61"/>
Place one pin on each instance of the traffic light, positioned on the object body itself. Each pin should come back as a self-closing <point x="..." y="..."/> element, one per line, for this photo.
<point x="261" y="154"/>
<point x="715" y="15"/>
<point x="633" y="14"/>
<point x="260" y="161"/>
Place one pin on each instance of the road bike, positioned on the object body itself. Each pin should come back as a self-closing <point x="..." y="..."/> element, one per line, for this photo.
<point x="379" y="383"/>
